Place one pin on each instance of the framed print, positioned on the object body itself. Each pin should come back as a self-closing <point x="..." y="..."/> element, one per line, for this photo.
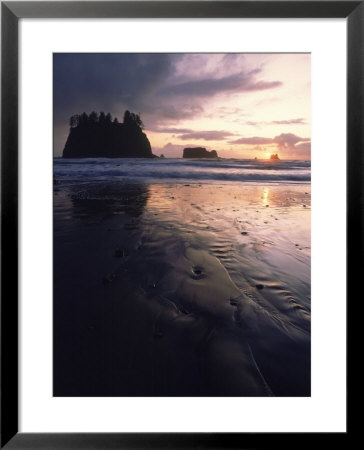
<point x="157" y="221"/>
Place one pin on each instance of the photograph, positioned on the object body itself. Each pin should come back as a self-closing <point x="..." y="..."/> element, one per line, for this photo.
<point x="181" y="224"/>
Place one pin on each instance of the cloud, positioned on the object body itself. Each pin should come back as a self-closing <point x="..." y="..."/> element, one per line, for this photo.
<point x="304" y="147"/>
<point x="211" y="86"/>
<point x="171" y="130"/>
<point x="107" y="80"/>
<point x="289" y="122"/>
<point x="253" y="141"/>
<point x="217" y="65"/>
<point x="287" y="143"/>
<point x="299" y="121"/>
<point x="174" y="112"/>
<point x="286" y="140"/>
<point x="206" y="135"/>
<point x="223" y="112"/>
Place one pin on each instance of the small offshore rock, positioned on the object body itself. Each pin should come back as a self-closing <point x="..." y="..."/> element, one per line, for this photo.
<point x="260" y="286"/>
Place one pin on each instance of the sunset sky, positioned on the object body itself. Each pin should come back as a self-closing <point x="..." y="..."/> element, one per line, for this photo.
<point x="241" y="105"/>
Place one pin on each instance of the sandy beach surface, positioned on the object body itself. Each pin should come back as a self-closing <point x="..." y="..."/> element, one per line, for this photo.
<point x="181" y="289"/>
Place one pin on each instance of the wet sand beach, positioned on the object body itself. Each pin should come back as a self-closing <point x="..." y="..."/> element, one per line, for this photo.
<point x="181" y="289"/>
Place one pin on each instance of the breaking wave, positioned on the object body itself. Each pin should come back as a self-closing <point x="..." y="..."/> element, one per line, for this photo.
<point x="68" y="171"/>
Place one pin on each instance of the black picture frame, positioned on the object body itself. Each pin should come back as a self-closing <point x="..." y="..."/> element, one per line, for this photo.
<point x="11" y="12"/>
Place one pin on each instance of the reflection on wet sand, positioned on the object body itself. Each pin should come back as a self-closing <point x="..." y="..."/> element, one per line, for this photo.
<point x="109" y="198"/>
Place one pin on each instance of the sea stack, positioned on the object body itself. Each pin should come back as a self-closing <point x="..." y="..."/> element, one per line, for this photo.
<point x="274" y="156"/>
<point x="199" y="152"/>
<point x="98" y="136"/>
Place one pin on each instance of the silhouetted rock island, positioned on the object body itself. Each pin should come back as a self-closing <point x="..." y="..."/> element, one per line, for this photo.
<point x="199" y="152"/>
<point x="274" y="156"/>
<point x="97" y="135"/>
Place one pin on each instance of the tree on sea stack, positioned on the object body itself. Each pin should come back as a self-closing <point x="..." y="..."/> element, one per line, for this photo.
<point x="83" y="118"/>
<point x="93" y="118"/>
<point x="74" y="121"/>
<point x="102" y="117"/>
<point x="133" y="119"/>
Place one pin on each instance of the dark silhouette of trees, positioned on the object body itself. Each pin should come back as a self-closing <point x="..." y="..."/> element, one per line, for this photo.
<point x="130" y="120"/>
<point x="83" y="119"/>
<point x="93" y="117"/>
<point x="138" y="121"/>
<point x="102" y="117"/>
<point x="133" y="119"/>
<point x="127" y="117"/>
<point x="74" y="121"/>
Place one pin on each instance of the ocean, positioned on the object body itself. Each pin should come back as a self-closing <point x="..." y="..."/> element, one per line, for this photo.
<point x="180" y="170"/>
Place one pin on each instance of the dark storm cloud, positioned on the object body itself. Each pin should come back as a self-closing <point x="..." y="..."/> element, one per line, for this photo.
<point x="105" y="81"/>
